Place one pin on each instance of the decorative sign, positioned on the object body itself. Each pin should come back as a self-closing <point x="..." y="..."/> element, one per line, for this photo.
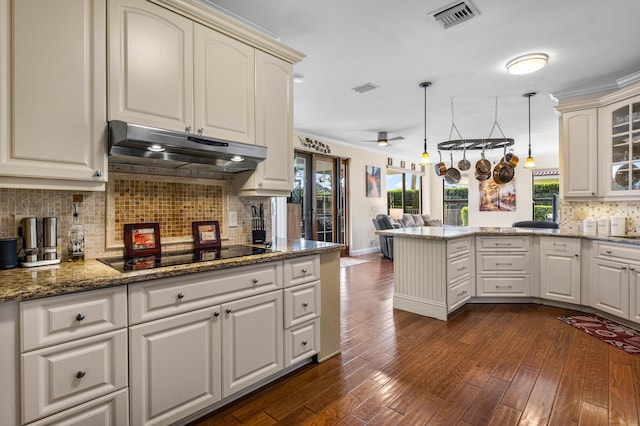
<point x="315" y="145"/>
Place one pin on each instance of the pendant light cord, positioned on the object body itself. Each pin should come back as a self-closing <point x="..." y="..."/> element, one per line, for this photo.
<point x="425" y="117"/>
<point x="529" y="125"/>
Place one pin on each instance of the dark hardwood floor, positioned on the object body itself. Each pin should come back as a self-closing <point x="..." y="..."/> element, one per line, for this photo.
<point x="501" y="365"/>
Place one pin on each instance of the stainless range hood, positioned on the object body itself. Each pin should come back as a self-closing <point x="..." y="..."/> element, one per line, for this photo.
<point x="148" y="146"/>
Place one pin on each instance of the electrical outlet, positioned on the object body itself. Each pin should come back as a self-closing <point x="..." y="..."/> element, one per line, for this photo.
<point x="18" y="224"/>
<point x="372" y="242"/>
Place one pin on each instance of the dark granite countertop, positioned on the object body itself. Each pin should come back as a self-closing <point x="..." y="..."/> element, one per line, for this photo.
<point x="69" y="277"/>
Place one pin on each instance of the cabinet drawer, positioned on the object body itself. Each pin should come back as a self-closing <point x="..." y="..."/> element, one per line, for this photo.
<point x="301" y="303"/>
<point x="506" y="243"/>
<point x="301" y="342"/>
<point x="169" y="296"/>
<point x="458" y="247"/>
<point x="57" y="319"/>
<point x="622" y="252"/>
<point x="109" y="410"/>
<point x="458" y="293"/>
<point x="503" y="263"/>
<point x="458" y="268"/>
<point x="503" y="286"/>
<point x="63" y="376"/>
<point x="301" y="270"/>
<point x="560" y="245"/>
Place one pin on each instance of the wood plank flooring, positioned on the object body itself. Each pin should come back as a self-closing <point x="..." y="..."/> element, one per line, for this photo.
<point x="506" y="364"/>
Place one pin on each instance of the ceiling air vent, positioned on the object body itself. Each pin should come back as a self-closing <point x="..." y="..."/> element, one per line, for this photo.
<point x="455" y="13"/>
<point x="365" y="87"/>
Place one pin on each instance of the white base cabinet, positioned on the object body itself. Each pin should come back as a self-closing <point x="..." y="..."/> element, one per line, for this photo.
<point x="560" y="269"/>
<point x="610" y="287"/>
<point x="175" y="366"/>
<point x="503" y="265"/>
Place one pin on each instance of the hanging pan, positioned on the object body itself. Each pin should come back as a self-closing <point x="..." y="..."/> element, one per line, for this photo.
<point x="452" y="175"/>
<point x="512" y="158"/>
<point x="483" y="166"/>
<point x="464" y="164"/>
<point x="441" y="168"/>
<point x="504" y="171"/>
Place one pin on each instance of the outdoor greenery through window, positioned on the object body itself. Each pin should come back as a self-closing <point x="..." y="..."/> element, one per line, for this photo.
<point x="546" y="185"/>
<point x="403" y="191"/>
<point x="456" y="204"/>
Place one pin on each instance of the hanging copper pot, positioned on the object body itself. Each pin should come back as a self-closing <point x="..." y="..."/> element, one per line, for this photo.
<point x="452" y="175"/>
<point x="441" y="168"/>
<point x="512" y="158"/>
<point x="464" y="164"/>
<point x="483" y="166"/>
<point x="504" y="171"/>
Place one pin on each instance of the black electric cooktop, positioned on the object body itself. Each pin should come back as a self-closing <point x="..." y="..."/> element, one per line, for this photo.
<point x="182" y="257"/>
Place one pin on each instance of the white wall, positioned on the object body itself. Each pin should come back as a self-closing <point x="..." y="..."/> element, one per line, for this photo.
<point x="362" y="208"/>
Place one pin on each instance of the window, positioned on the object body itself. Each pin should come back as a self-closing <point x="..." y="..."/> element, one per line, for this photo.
<point x="404" y="191"/>
<point x="546" y="187"/>
<point x="456" y="203"/>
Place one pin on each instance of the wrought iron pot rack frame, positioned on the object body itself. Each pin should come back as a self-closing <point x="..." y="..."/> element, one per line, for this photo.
<point x="475" y="144"/>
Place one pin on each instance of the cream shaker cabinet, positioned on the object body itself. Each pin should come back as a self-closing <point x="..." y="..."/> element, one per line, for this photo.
<point x="579" y="153"/>
<point x="274" y="129"/>
<point x="168" y="72"/>
<point x="53" y="94"/>
<point x="560" y="269"/>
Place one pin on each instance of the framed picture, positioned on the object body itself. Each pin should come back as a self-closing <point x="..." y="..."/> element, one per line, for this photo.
<point x="413" y="166"/>
<point x="373" y="181"/>
<point x="141" y="239"/>
<point x="402" y="164"/>
<point x="422" y="169"/>
<point x="206" y="234"/>
<point x="389" y="161"/>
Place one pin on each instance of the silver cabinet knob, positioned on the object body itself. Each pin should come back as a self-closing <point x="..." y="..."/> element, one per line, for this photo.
<point x="608" y="252"/>
<point x="216" y="314"/>
<point x="577" y="255"/>
<point x="305" y="304"/>
<point x="98" y="173"/>
<point x="80" y="374"/>
<point x="181" y="295"/>
<point x="201" y="131"/>
<point x="304" y="270"/>
<point x="304" y="343"/>
<point x="188" y="129"/>
<point x="228" y="310"/>
<point x="624" y="268"/>
<point x="80" y="317"/>
<point x="631" y="268"/>
<point x="255" y="280"/>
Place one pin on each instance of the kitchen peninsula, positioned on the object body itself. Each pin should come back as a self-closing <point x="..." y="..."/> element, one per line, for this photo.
<point x="83" y="337"/>
<point x="439" y="269"/>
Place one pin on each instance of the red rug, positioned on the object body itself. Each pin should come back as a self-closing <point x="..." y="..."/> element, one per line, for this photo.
<point x="621" y="337"/>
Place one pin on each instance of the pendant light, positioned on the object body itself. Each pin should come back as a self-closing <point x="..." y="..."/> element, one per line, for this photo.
<point x="426" y="158"/>
<point x="530" y="162"/>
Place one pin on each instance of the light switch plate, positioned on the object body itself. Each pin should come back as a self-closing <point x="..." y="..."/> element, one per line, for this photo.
<point x="233" y="218"/>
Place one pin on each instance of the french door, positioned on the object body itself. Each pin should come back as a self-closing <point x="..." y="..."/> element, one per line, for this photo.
<point x="318" y="204"/>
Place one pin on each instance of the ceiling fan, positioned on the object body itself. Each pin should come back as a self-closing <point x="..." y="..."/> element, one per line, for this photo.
<point x="383" y="140"/>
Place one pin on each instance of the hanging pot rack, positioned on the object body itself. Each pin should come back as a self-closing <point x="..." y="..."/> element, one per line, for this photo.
<point x="476" y="144"/>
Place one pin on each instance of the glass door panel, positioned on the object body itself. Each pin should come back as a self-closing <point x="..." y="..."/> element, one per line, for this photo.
<point x="324" y="199"/>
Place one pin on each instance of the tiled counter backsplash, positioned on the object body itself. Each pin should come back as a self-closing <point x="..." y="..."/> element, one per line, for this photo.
<point x="136" y="194"/>
<point x="598" y="209"/>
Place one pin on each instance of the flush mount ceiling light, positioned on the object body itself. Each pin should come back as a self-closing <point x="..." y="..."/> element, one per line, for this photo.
<point x="526" y="64"/>
<point x="530" y="162"/>
<point x="425" y="160"/>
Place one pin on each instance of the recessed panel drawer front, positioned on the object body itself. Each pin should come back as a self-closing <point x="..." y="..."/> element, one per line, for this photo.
<point x="63" y="376"/>
<point x="560" y="245"/>
<point x="57" y="319"/>
<point x="301" y="303"/>
<point x="458" y="267"/>
<point x="301" y="270"/>
<point x="503" y="263"/>
<point x="506" y="243"/>
<point x="504" y="286"/>
<point x="164" y="297"/>
<point x="622" y="252"/>
<point x="301" y="342"/>
<point x="458" y="247"/>
<point x="458" y="293"/>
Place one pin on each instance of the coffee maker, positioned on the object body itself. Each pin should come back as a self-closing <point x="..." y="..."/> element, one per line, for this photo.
<point x="31" y="240"/>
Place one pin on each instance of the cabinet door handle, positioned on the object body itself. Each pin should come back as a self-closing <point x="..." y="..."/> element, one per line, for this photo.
<point x="80" y="317"/>
<point x="181" y="295"/>
<point x="305" y="304"/>
<point x="504" y="264"/>
<point x="631" y="268"/>
<point x="461" y="269"/>
<point x="80" y="374"/>
<point x="608" y="251"/>
<point x="462" y="293"/>
<point x="504" y="286"/>
<point x="304" y="270"/>
<point x="502" y="244"/>
<point x="188" y="129"/>
<point x="201" y="131"/>
<point x="304" y="343"/>
<point x="576" y="255"/>
<point x="624" y="268"/>
<point x="98" y="173"/>
<point x="255" y="281"/>
<point x="228" y="310"/>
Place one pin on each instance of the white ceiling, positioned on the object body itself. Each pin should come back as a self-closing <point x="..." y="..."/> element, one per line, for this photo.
<point x="397" y="45"/>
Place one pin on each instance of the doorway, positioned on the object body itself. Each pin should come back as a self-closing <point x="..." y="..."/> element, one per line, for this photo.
<point x="318" y="205"/>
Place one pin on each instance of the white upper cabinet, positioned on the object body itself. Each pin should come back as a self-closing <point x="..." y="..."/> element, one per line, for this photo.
<point x="274" y="129"/>
<point x="620" y="147"/>
<point x="150" y="65"/>
<point x="224" y="86"/>
<point x="579" y="153"/>
<point x="53" y="94"/>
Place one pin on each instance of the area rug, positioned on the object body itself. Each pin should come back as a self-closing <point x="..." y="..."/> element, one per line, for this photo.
<point x="350" y="261"/>
<point x="621" y="337"/>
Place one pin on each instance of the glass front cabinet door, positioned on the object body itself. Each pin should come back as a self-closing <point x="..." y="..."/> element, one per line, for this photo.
<point x="620" y="136"/>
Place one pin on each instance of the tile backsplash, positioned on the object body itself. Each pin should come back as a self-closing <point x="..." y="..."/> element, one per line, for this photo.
<point x="134" y="194"/>
<point x="598" y="209"/>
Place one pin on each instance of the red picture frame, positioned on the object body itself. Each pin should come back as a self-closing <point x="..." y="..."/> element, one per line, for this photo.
<point x="206" y="234"/>
<point x="142" y="239"/>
